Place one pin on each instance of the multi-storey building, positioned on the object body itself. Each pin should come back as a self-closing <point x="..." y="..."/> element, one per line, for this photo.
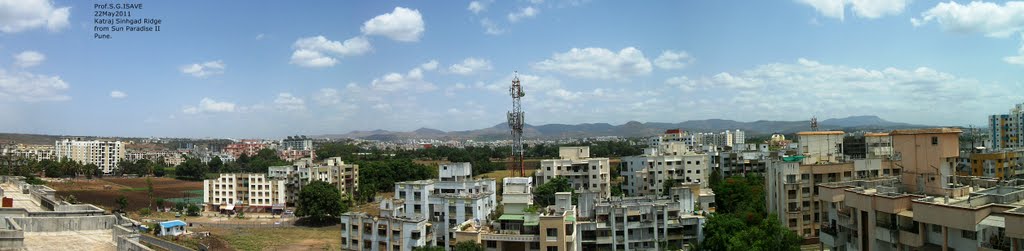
<point x="33" y="152"/>
<point x="391" y="230"/>
<point x="103" y="153"/>
<point x="451" y="199"/>
<point x="1006" y="130"/>
<point x="301" y="143"/>
<point x="790" y="181"/>
<point x="643" y="223"/>
<point x="551" y="228"/>
<point x="243" y="191"/>
<point x="999" y="164"/>
<point x="333" y="171"/>
<point x="586" y="174"/>
<point x="671" y="162"/>
<point x="247" y="147"/>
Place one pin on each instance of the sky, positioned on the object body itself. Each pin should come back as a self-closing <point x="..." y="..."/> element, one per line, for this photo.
<point x="240" y="69"/>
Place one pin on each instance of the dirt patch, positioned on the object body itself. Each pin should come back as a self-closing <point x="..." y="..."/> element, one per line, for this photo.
<point x="104" y="192"/>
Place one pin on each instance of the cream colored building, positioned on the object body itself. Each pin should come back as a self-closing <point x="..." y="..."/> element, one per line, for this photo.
<point x="586" y="174"/>
<point x="238" y="191"/>
<point x="103" y="153"/>
<point x="646" y="174"/>
<point x="391" y="230"/>
<point x="550" y="228"/>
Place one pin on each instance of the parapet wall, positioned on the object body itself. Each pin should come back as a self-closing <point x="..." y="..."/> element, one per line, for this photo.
<point x="127" y="239"/>
<point x="11" y="235"/>
<point x="59" y="224"/>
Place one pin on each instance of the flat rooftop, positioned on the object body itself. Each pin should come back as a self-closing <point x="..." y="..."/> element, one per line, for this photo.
<point x="71" y="240"/>
<point x="21" y="200"/>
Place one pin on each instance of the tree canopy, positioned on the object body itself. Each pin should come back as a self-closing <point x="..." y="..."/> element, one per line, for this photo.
<point x="741" y="222"/>
<point x="191" y="169"/>
<point x="320" y="201"/>
<point x="544" y="195"/>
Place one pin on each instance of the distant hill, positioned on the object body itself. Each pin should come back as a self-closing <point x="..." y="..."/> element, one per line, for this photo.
<point x="638" y="129"/>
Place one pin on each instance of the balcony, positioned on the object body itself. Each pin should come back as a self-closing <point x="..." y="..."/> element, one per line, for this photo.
<point x="886" y="234"/>
<point x="996" y="243"/>
<point x="507" y="237"/>
<point x="831" y="237"/>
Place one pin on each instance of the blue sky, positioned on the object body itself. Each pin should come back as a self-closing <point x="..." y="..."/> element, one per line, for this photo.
<point x="239" y="69"/>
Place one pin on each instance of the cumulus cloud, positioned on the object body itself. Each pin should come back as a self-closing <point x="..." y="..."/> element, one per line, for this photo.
<point x="289" y="102"/>
<point x="673" y="60"/>
<point x="21" y="15"/>
<point x="992" y="19"/>
<point x="413" y="80"/>
<point x="471" y="66"/>
<point x="208" y="105"/>
<point x="118" y="94"/>
<point x="402" y="24"/>
<point x="598" y="63"/>
<point x="327" y="96"/>
<point x="1019" y="58"/>
<point x="28" y="59"/>
<point x="319" y="51"/>
<point x="30" y="87"/>
<point x="430" y="65"/>
<point x="523" y="13"/>
<point x="490" y="28"/>
<point x="870" y="9"/>
<point x="476" y="7"/>
<point x="204" y="69"/>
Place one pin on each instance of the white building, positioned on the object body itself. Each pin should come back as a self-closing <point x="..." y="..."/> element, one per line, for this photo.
<point x="647" y="174"/>
<point x="390" y="231"/>
<point x="451" y="199"/>
<point x="103" y="153"/>
<point x="236" y="191"/>
<point x="333" y="171"/>
<point x="642" y="223"/>
<point x="301" y="143"/>
<point x="586" y="174"/>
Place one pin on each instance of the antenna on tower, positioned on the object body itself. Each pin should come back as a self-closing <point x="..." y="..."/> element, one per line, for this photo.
<point x="515" y="123"/>
<point x="814" y="123"/>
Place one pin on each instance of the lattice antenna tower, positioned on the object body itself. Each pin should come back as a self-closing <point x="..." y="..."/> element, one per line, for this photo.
<point x="515" y="124"/>
<point x="814" y="123"/>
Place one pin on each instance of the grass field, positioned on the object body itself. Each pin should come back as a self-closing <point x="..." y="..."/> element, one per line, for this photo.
<point x="292" y="238"/>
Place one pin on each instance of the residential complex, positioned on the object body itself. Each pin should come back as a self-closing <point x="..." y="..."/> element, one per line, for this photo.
<point x="673" y="162"/>
<point x="701" y="139"/>
<point x="247" y="147"/>
<point x="791" y="181"/>
<point x="998" y="164"/>
<point x="103" y="153"/>
<point x="302" y="143"/>
<point x="391" y="230"/>
<point x="243" y="191"/>
<point x="586" y="174"/>
<point x="1007" y="130"/>
<point x="32" y="152"/>
<point x="644" y="223"/>
<point x="554" y="227"/>
<point x="451" y="199"/>
<point x="332" y="170"/>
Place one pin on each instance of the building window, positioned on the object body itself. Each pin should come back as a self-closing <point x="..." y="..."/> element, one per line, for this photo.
<point x="936" y="228"/>
<point x="552" y="232"/>
<point x="935" y="140"/>
<point x="970" y="235"/>
<point x="492" y="244"/>
<point x="552" y="248"/>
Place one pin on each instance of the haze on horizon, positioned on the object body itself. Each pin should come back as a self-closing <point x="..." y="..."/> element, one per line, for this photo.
<point x="330" y="68"/>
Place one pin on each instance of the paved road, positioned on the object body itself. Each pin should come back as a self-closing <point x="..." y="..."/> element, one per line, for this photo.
<point x="162" y="243"/>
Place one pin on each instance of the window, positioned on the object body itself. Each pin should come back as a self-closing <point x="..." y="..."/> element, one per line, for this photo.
<point x="971" y="235"/>
<point x="936" y="228"/>
<point x="935" y="140"/>
<point x="552" y="232"/>
<point x="552" y="248"/>
<point x="492" y="244"/>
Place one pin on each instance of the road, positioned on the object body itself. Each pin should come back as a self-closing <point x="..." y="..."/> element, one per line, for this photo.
<point x="162" y="243"/>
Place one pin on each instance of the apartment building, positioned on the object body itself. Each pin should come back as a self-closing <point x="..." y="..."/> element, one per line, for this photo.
<point x="647" y="174"/>
<point x="999" y="164"/>
<point x="586" y="174"/>
<point x="103" y="153"/>
<point x="643" y="223"/>
<point x="791" y="181"/>
<point x="301" y="143"/>
<point x="33" y="152"/>
<point x="390" y="230"/>
<point x="249" y="147"/>
<point x="1007" y="130"/>
<point x="243" y="191"/>
<point x="451" y="199"/>
<point x="694" y="141"/>
<point x="551" y="228"/>
<point x="332" y="170"/>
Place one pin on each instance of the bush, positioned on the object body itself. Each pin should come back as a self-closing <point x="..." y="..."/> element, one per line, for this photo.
<point x="145" y="211"/>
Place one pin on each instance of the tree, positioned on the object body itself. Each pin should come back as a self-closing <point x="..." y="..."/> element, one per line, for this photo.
<point x="428" y="248"/>
<point x="468" y="246"/>
<point x="667" y="186"/>
<point x="215" y="164"/>
<point x="191" y="169"/>
<point x="193" y="210"/>
<point x="122" y="203"/>
<point x="160" y="204"/>
<point x="91" y="169"/>
<point x="320" y="201"/>
<point x="544" y="195"/>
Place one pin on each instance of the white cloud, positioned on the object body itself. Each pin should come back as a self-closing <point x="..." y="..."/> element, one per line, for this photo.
<point x="313" y="51"/>
<point x="28" y="59"/>
<point x="1019" y="58"/>
<point x="327" y="96"/>
<point x="289" y="102"/>
<point x="531" y="84"/>
<point x="564" y="94"/>
<point x="118" y="94"/>
<point x="402" y="24"/>
<point x="870" y="9"/>
<point x="260" y="36"/>
<point x="523" y="13"/>
<point x="209" y="105"/>
<point x="430" y="66"/>
<point x="471" y="66"/>
<point x="30" y="87"/>
<point x="673" y="60"/>
<point x="683" y="83"/>
<point x="413" y="80"/>
<point x="598" y="63"/>
<point x="21" y="15"/>
<point x="992" y="19"/>
<point x="490" y="28"/>
<point x="204" y="69"/>
<point x="476" y="7"/>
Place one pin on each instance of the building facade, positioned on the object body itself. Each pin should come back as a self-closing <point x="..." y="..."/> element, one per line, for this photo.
<point x="243" y="191"/>
<point x="641" y="223"/>
<point x="1005" y="130"/>
<point x="586" y="174"/>
<point x="666" y="163"/>
<point x="451" y="199"/>
<point x="103" y="153"/>
<point x="390" y="230"/>
<point x="550" y="228"/>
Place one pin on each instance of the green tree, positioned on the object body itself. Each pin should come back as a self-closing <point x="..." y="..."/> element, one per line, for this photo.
<point x="193" y="210"/>
<point x="428" y="248"/>
<point x="90" y="170"/>
<point x="191" y="169"/>
<point x="468" y="246"/>
<point x="160" y="203"/>
<point x="544" y="195"/>
<point x="320" y="201"/>
<point x="122" y="203"/>
<point x="215" y="164"/>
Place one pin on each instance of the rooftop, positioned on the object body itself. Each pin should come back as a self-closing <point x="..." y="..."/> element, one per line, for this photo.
<point x="821" y="133"/>
<point x="926" y="131"/>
